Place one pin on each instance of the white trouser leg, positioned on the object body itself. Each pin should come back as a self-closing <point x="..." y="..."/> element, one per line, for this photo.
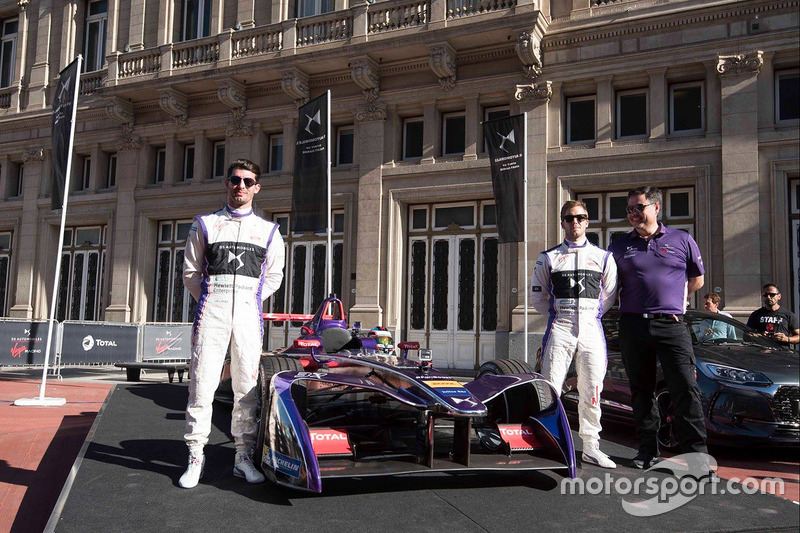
<point x="208" y="356"/>
<point x="557" y="356"/>
<point x="590" y="363"/>
<point x="245" y="356"/>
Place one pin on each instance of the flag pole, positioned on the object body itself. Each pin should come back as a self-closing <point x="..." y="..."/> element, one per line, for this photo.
<point x="329" y="248"/>
<point x="525" y="220"/>
<point x="42" y="400"/>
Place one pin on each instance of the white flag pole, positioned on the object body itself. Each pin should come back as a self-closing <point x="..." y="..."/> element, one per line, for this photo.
<point x="525" y="220"/>
<point x="42" y="400"/>
<point x="329" y="252"/>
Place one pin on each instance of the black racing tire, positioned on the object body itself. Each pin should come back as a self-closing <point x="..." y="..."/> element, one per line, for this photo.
<point x="499" y="367"/>
<point x="666" y="436"/>
<point x="267" y="368"/>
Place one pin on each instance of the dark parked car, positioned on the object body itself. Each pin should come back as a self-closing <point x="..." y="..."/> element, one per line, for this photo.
<point x="749" y="384"/>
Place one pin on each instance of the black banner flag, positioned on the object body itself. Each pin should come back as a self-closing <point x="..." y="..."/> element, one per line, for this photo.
<point x="63" y="117"/>
<point x="505" y="137"/>
<point x="311" y="158"/>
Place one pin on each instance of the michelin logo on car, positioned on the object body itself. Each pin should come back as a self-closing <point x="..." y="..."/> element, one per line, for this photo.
<point x="90" y="342"/>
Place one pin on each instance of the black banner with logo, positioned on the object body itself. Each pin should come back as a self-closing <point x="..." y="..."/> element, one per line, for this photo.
<point x="311" y="159"/>
<point x="24" y="342"/>
<point x="63" y="115"/>
<point x="506" y="141"/>
<point x="166" y="342"/>
<point x="96" y="342"/>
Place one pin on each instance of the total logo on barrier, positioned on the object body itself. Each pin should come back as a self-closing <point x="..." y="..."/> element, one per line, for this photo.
<point x="90" y="342"/>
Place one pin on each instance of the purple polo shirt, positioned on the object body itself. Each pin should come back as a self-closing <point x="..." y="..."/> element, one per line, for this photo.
<point x="652" y="274"/>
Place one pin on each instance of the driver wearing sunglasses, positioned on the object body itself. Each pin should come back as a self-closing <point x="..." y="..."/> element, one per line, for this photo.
<point x="775" y="322"/>
<point x="233" y="262"/>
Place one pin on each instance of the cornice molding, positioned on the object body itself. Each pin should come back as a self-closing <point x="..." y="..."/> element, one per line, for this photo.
<point x="371" y="112"/>
<point x="364" y="72"/>
<point x="740" y="64"/>
<point x="121" y="111"/>
<point x="530" y="53"/>
<point x="174" y="103"/>
<point x="443" y="63"/>
<point x="534" y="92"/>
<point x="295" y="84"/>
<point x="129" y="142"/>
<point x="37" y="154"/>
<point x="233" y="94"/>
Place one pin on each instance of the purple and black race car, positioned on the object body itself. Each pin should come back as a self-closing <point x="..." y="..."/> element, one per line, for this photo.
<point x="336" y="405"/>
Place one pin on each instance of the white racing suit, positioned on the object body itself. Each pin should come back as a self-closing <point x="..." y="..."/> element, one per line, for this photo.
<point x="575" y="284"/>
<point x="233" y="262"/>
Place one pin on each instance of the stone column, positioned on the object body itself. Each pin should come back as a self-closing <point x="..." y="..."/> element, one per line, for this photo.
<point x="130" y="163"/>
<point x="289" y="141"/>
<point x="533" y="100"/>
<point x="555" y="133"/>
<point x="605" y="122"/>
<point x="658" y="104"/>
<point x="472" y="123"/>
<point x="431" y="133"/>
<point x="166" y="15"/>
<point x="713" y="102"/>
<point x="370" y="247"/>
<point x="136" y="25"/>
<point x="203" y="157"/>
<point x="742" y="251"/>
<point x="27" y="268"/>
<point x="245" y="14"/>
<point x="40" y="70"/>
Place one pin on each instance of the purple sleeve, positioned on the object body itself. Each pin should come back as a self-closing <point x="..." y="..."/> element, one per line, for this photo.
<point x="694" y="261"/>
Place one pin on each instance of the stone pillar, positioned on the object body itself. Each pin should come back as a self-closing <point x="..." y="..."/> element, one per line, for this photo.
<point x="130" y="156"/>
<point x="533" y="100"/>
<point x="40" y="70"/>
<point x="370" y="247"/>
<point x="713" y="101"/>
<point x="555" y="133"/>
<point x="166" y="14"/>
<point x="245" y="14"/>
<point x="99" y="170"/>
<point x="742" y="251"/>
<point x="203" y="157"/>
<point x="289" y="141"/>
<point x="658" y="104"/>
<point x="605" y="122"/>
<point x="431" y="133"/>
<point x="112" y="27"/>
<point x="472" y="123"/>
<point x="28" y="238"/>
<point x="136" y="25"/>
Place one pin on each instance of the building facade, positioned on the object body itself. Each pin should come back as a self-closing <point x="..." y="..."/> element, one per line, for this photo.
<point x="698" y="97"/>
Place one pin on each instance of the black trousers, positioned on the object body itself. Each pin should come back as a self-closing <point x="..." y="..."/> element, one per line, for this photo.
<point x="643" y="341"/>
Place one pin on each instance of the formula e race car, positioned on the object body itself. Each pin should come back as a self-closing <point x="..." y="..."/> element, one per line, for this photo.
<point x="334" y="404"/>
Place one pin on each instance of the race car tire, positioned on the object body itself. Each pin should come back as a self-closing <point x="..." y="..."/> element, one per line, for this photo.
<point x="666" y="436"/>
<point x="267" y="368"/>
<point x="499" y="367"/>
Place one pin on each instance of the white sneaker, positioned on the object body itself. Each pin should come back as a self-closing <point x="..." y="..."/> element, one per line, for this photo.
<point x="243" y="467"/>
<point x="190" y="478"/>
<point x="592" y="455"/>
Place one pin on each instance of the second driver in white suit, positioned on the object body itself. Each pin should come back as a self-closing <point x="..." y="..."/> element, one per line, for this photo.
<point x="574" y="284"/>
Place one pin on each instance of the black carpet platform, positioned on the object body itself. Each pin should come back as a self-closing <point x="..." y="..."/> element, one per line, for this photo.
<point x="127" y="481"/>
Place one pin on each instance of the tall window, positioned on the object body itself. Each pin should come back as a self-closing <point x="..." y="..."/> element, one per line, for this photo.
<point x="86" y="173"/>
<point x="95" y="41"/>
<point x="80" y="292"/>
<point x="453" y="134"/>
<point x="581" y="119"/>
<point x="173" y="301"/>
<point x="344" y="145"/>
<point x="196" y="19"/>
<point x="18" y="187"/>
<point x="161" y="165"/>
<point x="188" y="162"/>
<point x="276" y="153"/>
<point x="787" y="96"/>
<point x="632" y="114"/>
<point x="307" y="8"/>
<point x="219" y="159"/>
<point x="8" y="51"/>
<point x="412" y="138"/>
<point x="111" y="178"/>
<point x="5" y="264"/>
<point x="686" y="108"/>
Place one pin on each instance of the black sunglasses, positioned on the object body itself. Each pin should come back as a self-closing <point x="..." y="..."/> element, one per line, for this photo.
<point x="236" y="180"/>
<point x="638" y="207"/>
<point x="571" y="218"/>
<point x="768" y="294"/>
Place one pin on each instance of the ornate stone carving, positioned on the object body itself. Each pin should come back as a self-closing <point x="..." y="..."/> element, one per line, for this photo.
<point x="239" y="128"/>
<point x="121" y="111"/>
<point x="175" y="104"/>
<point x="37" y="154"/>
<point x="129" y="142"/>
<point x="740" y="64"/>
<point x="530" y="54"/>
<point x="23" y="4"/>
<point x="295" y="84"/>
<point x="443" y="64"/>
<point x="535" y="92"/>
<point x="232" y="94"/>
<point x="371" y="112"/>
<point x="364" y="72"/>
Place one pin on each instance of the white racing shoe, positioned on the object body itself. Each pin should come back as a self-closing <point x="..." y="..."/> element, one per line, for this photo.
<point x="244" y="467"/>
<point x="592" y="455"/>
<point x="190" y="478"/>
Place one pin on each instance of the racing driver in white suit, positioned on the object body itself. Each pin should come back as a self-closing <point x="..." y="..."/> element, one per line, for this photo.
<point x="233" y="262"/>
<point x="574" y="284"/>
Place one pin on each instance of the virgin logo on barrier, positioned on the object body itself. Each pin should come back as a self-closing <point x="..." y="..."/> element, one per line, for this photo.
<point x="17" y="350"/>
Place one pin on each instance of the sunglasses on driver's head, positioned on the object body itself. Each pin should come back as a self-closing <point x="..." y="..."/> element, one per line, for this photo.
<point x="570" y="218"/>
<point x="236" y="180"/>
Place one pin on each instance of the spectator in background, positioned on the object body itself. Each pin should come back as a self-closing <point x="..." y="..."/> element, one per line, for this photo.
<point x="774" y="322"/>
<point x="710" y="329"/>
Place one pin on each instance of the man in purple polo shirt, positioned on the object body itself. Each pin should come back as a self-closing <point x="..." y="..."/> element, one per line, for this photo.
<point x="658" y="268"/>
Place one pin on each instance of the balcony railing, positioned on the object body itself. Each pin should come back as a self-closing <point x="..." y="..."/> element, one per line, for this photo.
<point x="354" y="25"/>
<point x="5" y="96"/>
<point x="91" y="81"/>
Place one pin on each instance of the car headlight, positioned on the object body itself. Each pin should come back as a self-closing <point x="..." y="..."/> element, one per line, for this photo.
<point x="736" y="375"/>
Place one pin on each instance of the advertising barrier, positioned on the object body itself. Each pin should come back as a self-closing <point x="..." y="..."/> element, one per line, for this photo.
<point x="23" y="342"/>
<point x="98" y="342"/>
<point x="166" y="342"/>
